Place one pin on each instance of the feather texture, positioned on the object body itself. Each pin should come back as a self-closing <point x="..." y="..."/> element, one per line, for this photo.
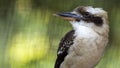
<point x="64" y="45"/>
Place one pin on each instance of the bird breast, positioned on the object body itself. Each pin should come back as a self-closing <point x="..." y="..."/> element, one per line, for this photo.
<point x="86" y="50"/>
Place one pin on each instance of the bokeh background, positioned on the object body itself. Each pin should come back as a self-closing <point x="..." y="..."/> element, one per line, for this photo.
<point x="30" y="34"/>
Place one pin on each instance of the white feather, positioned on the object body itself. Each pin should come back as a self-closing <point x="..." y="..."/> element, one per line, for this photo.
<point x="94" y="10"/>
<point x="83" y="29"/>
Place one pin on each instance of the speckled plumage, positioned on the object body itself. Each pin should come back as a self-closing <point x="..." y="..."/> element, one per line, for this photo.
<point x="64" y="45"/>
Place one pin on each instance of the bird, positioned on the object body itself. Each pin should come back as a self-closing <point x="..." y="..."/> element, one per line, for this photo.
<point x="85" y="44"/>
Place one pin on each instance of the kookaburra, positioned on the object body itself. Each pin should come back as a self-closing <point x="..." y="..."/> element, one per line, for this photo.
<point x="83" y="46"/>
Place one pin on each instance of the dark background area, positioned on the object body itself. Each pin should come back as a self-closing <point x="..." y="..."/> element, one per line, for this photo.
<point x="30" y="34"/>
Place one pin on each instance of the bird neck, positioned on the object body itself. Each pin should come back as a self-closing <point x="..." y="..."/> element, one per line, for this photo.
<point x="83" y="31"/>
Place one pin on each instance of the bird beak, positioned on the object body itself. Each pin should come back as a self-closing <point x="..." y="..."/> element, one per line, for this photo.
<point x="69" y="16"/>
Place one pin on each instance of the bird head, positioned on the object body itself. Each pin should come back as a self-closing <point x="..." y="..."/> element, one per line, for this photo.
<point x="87" y="16"/>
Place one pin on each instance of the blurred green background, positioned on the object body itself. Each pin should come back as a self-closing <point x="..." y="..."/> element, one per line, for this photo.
<point x="30" y="34"/>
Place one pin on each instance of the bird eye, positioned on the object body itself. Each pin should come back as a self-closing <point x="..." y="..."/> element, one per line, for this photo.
<point x="86" y="13"/>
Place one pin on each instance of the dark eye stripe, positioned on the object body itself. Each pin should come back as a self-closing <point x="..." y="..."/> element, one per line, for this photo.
<point x="91" y="18"/>
<point x="97" y="20"/>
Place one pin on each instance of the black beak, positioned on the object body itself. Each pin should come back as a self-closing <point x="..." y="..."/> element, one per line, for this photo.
<point x="69" y="16"/>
